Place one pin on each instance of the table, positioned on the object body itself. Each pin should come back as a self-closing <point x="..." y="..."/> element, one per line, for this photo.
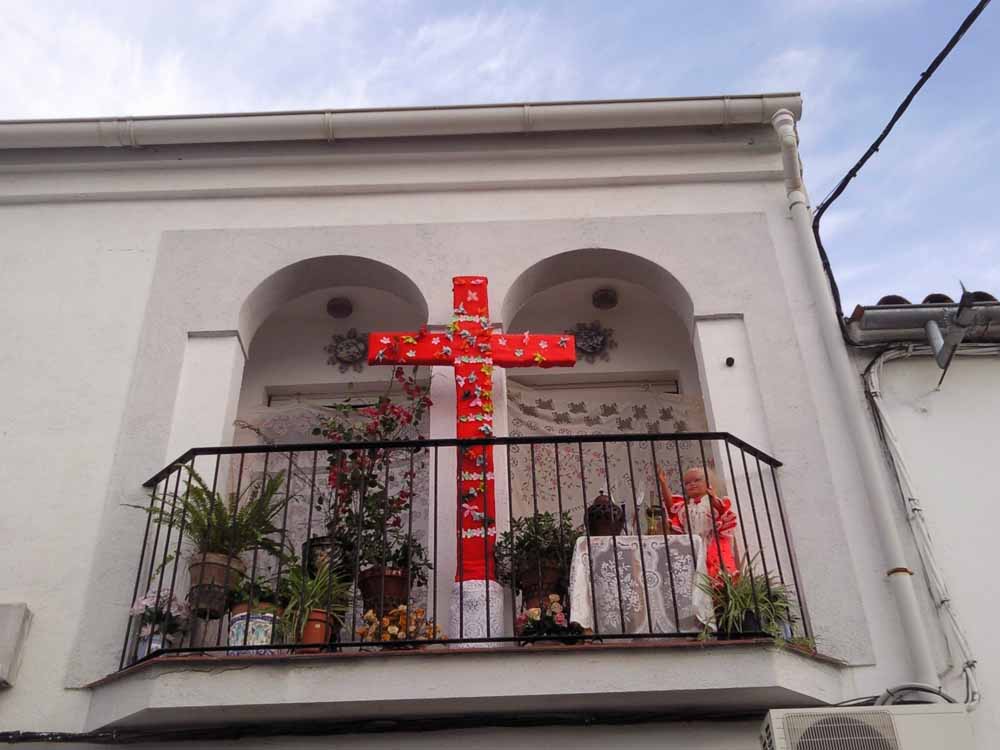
<point x="694" y="607"/>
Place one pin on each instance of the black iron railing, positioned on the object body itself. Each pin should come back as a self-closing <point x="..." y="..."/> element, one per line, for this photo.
<point x="319" y="546"/>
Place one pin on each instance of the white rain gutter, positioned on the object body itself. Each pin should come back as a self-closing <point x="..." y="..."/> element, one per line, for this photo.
<point x="847" y="382"/>
<point x="333" y="125"/>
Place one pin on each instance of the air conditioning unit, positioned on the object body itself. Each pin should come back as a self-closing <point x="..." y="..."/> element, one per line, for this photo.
<point x="930" y="726"/>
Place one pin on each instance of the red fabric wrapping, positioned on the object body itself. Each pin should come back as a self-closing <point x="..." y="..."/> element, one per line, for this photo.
<point x="719" y="545"/>
<point x="473" y="349"/>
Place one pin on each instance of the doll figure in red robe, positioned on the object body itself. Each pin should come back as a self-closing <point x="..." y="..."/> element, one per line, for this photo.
<point x="710" y="518"/>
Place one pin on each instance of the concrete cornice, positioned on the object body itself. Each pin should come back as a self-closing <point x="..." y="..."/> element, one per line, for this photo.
<point x="334" y="125"/>
<point x="406" y="165"/>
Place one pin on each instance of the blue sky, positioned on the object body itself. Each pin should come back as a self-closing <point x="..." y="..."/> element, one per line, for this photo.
<point x="922" y="215"/>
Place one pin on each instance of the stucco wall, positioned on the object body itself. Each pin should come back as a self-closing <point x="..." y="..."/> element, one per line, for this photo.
<point x="104" y="280"/>
<point x="948" y="438"/>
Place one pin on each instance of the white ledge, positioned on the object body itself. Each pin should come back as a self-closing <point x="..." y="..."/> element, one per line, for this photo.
<point x="681" y="679"/>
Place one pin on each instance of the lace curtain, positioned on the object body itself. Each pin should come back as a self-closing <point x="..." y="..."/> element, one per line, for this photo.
<point x="550" y="477"/>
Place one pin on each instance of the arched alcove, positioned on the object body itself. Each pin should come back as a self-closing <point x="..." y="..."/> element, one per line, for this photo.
<point x="298" y="374"/>
<point x="645" y="380"/>
<point x="309" y="326"/>
<point x="599" y="263"/>
<point x="324" y="272"/>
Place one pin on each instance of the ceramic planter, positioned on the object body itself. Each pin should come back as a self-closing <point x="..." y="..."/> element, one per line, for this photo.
<point x="253" y="628"/>
<point x="148" y="644"/>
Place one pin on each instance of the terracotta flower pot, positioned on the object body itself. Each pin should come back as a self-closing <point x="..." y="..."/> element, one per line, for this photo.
<point x="211" y="576"/>
<point x="319" y="629"/>
<point x="534" y="588"/>
<point x="382" y="586"/>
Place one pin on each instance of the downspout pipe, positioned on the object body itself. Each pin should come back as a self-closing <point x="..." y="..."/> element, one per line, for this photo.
<point x="847" y="382"/>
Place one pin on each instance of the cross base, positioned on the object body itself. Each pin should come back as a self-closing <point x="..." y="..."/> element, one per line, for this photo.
<point x="467" y="618"/>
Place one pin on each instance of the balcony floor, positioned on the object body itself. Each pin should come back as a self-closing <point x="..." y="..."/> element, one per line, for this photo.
<point x="670" y="678"/>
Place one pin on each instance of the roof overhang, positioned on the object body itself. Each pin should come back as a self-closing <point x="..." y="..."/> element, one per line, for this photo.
<point x="333" y="125"/>
<point x="907" y="323"/>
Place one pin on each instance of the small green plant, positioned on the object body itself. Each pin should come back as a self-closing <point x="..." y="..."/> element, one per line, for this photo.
<point x="257" y="594"/>
<point x="303" y="592"/>
<point x="533" y="540"/>
<point x="225" y="526"/>
<point x="747" y="598"/>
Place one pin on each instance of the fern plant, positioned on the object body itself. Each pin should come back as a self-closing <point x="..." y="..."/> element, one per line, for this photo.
<point x="230" y="525"/>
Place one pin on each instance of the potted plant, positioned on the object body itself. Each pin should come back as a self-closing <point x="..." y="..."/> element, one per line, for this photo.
<point x="316" y="603"/>
<point x="398" y="624"/>
<point x="364" y="512"/>
<point x="161" y="619"/>
<point x="534" y="556"/>
<point x="747" y="603"/>
<point x="220" y="530"/>
<point x="254" y="610"/>
<point x="547" y="622"/>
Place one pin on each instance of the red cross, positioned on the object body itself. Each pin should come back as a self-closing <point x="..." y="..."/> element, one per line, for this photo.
<point x="473" y="349"/>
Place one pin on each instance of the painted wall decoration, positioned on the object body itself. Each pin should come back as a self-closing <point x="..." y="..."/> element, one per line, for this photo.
<point x="594" y="341"/>
<point x="348" y="351"/>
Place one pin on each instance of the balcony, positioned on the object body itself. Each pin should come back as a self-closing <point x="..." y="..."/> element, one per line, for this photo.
<point x="329" y="569"/>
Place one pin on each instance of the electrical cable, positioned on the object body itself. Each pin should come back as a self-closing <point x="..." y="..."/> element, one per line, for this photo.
<point x="889" y="696"/>
<point x="872" y="150"/>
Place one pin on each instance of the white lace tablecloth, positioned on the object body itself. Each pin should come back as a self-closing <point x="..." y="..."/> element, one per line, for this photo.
<point x="694" y="607"/>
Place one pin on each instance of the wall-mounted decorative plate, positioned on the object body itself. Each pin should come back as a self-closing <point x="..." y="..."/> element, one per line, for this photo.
<point x="348" y="351"/>
<point x="594" y="341"/>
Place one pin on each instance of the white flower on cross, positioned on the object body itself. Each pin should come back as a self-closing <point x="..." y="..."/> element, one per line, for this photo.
<point x="473" y="296"/>
<point x="411" y="353"/>
<point x="543" y="344"/>
<point x="436" y="340"/>
<point x="502" y="341"/>
<point x="385" y="340"/>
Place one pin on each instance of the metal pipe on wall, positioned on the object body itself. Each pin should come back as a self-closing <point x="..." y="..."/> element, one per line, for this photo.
<point x="869" y="457"/>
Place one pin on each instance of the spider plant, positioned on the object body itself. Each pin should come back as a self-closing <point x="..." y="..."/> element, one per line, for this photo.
<point x="324" y="589"/>
<point x="747" y="601"/>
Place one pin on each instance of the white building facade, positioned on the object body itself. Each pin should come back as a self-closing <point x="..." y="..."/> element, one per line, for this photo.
<point x="167" y="279"/>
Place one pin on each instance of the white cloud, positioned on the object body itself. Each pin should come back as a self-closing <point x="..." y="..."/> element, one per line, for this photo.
<point x="76" y="65"/>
